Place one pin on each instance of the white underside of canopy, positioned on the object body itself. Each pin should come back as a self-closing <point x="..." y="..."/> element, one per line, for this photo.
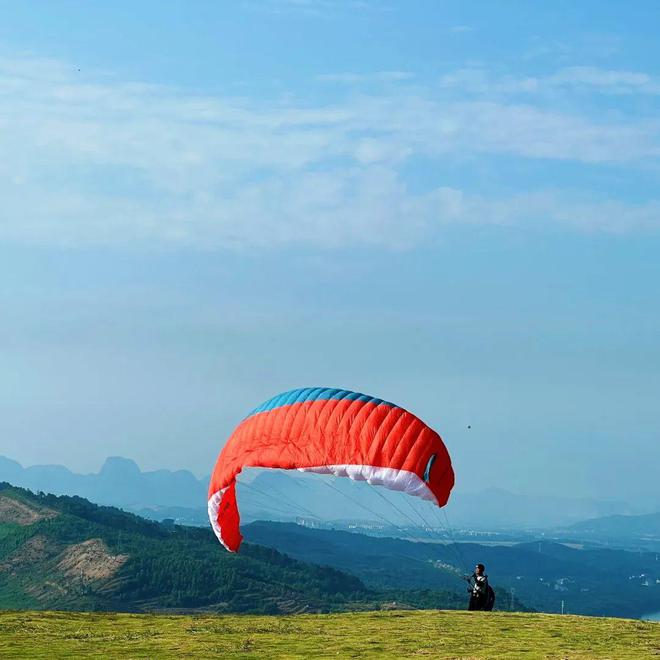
<point x="213" y="506"/>
<point x="401" y="480"/>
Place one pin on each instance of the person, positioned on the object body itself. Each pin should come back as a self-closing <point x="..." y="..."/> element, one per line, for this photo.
<point x="478" y="588"/>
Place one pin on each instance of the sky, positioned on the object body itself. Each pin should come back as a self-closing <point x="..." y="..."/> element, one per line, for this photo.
<point x="449" y="205"/>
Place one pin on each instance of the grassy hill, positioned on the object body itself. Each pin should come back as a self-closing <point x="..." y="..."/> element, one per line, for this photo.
<point x="66" y="553"/>
<point x="396" y="634"/>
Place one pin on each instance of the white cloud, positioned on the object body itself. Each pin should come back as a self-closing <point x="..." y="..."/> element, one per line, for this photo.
<point x="613" y="82"/>
<point x="583" y="214"/>
<point x="583" y="78"/>
<point x="93" y="160"/>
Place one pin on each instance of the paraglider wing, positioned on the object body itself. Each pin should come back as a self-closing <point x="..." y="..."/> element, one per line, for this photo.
<point x="330" y="431"/>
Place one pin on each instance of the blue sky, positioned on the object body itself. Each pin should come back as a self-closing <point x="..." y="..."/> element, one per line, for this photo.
<point x="452" y="207"/>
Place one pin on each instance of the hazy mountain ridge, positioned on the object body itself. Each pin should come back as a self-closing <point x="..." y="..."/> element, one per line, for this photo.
<point x="288" y="496"/>
<point x="119" y="482"/>
<point x="646" y="525"/>
<point x="498" y="508"/>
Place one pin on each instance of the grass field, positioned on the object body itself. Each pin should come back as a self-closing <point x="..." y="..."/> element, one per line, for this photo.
<point x="396" y="634"/>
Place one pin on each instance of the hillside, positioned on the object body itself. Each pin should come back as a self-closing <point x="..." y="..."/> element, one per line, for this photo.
<point x="397" y="634"/>
<point x="543" y="574"/>
<point x="69" y="554"/>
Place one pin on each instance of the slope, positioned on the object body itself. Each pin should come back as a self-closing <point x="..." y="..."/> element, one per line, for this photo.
<point x="431" y="634"/>
<point x="66" y="553"/>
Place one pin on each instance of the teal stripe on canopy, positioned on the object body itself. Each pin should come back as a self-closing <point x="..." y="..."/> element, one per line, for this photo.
<point x="315" y="394"/>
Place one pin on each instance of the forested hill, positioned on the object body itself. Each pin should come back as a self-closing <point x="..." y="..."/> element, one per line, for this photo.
<point x="593" y="581"/>
<point x="67" y="553"/>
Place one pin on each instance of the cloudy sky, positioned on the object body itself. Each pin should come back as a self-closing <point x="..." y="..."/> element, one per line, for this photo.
<point x="451" y="207"/>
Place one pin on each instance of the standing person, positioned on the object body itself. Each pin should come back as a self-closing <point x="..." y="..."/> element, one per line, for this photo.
<point x="478" y="589"/>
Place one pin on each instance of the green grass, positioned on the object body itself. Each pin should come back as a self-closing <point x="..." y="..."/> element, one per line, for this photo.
<point x="397" y="634"/>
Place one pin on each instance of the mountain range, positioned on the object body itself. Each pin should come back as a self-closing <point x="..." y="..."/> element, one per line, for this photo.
<point x="643" y="527"/>
<point x="289" y="496"/>
<point x="119" y="482"/>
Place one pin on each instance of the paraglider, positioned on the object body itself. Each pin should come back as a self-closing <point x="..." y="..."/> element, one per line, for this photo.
<point x="482" y="595"/>
<point x="330" y="431"/>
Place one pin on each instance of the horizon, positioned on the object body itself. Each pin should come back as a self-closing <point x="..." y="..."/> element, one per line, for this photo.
<point x="249" y="473"/>
<point x="452" y="208"/>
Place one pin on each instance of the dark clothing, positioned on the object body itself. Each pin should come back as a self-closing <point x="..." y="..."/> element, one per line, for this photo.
<point x="478" y="590"/>
<point x="476" y="603"/>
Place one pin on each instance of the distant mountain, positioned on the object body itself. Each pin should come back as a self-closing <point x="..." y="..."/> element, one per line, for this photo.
<point x="497" y="508"/>
<point x="120" y="482"/>
<point x="66" y="553"/>
<point x="645" y="526"/>
<point x="542" y="574"/>
<point x="328" y="499"/>
<point x="290" y="495"/>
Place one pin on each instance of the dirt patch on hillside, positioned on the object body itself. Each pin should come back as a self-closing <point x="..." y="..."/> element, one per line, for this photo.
<point x="45" y="591"/>
<point x="21" y="513"/>
<point x="90" y="560"/>
<point x="33" y="551"/>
